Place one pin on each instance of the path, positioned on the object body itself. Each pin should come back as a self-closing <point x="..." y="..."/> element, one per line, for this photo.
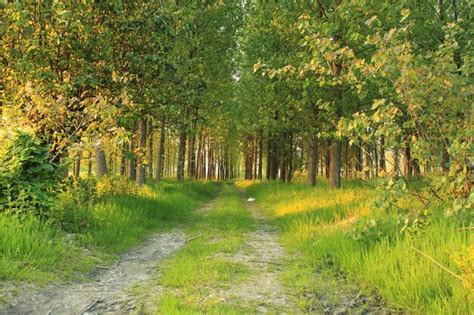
<point x="264" y="255"/>
<point x="108" y="291"/>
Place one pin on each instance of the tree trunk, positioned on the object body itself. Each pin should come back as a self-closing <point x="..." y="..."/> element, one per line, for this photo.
<point x="131" y="149"/>
<point x="375" y="161"/>
<point x="123" y="163"/>
<point x="101" y="163"/>
<point x="260" y="158"/>
<point x="254" y="158"/>
<point x="181" y="155"/>
<point x="445" y="157"/>
<point x="161" y="153"/>
<point x="396" y="161"/>
<point x="192" y="159"/>
<point x="327" y="160"/>
<point x="383" y="164"/>
<point x="140" y="178"/>
<point x="269" y="161"/>
<point x="359" y="161"/>
<point x="335" y="165"/>
<point x="408" y="161"/>
<point x="150" y="148"/>
<point x="77" y="164"/>
<point x="89" y="165"/>
<point x="313" y="167"/>
<point x="289" y="176"/>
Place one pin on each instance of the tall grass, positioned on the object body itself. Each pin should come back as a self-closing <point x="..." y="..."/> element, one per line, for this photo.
<point x="316" y="223"/>
<point x="35" y="250"/>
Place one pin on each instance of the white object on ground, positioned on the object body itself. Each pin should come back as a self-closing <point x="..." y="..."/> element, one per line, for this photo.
<point x="251" y="199"/>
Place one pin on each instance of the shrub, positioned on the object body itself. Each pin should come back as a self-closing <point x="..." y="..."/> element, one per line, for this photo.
<point x="77" y="200"/>
<point x="29" y="180"/>
<point x="116" y="185"/>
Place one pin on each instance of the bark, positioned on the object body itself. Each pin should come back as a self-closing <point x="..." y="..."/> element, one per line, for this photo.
<point x="161" y="153"/>
<point x="346" y="159"/>
<point x="359" y="159"/>
<point x="101" y="163"/>
<point x="269" y="165"/>
<point x="140" y="177"/>
<point x="383" y="164"/>
<point x="289" y="176"/>
<point x="260" y="158"/>
<point x="368" y="162"/>
<point x="321" y="168"/>
<point x="131" y="160"/>
<point x="408" y="161"/>
<point x="89" y="165"/>
<point x="272" y="161"/>
<point x="396" y="161"/>
<point x="327" y="160"/>
<point x="198" y="157"/>
<point x="181" y="155"/>
<point x="123" y="163"/>
<point x="335" y="165"/>
<point x="254" y="158"/>
<point x="192" y="160"/>
<point x="416" y="167"/>
<point x="77" y="164"/>
<point x="150" y="148"/>
<point x="375" y="161"/>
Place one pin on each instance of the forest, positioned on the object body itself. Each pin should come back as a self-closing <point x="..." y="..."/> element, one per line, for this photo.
<point x="236" y="157"/>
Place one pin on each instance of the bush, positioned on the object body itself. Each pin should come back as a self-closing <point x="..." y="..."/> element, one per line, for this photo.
<point x="77" y="200"/>
<point x="29" y="180"/>
<point x="116" y="185"/>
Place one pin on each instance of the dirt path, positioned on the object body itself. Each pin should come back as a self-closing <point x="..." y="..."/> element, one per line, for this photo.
<point x="263" y="254"/>
<point x="108" y="291"/>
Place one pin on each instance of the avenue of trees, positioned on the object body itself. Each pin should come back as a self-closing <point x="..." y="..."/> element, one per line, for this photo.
<point x="253" y="89"/>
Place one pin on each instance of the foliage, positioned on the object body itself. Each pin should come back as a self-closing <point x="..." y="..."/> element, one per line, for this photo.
<point x="464" y="259"/>
<point x="115" y="185"/>
<point x="29" y="180"/>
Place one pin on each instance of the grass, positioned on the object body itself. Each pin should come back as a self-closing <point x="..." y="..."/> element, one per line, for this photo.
<point x="194" y="276"/>
<point x="316" y="224"/>
<point x="37" y="251"/>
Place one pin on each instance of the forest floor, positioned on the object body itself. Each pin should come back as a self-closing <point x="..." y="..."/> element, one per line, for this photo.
<point x="227" y="260"/>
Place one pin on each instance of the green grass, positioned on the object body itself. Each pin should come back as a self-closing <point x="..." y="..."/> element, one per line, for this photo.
<point x="199" y="270"/>
<point x="315" y="223"/>
<point x="36" y="251"/>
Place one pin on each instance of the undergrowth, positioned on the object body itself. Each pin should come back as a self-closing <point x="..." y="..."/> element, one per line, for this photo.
<point x="92" y="233"/>
<point x="426" y="268"/>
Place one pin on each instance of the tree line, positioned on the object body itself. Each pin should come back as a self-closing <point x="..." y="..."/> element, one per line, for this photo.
<point x="225" y="89"/>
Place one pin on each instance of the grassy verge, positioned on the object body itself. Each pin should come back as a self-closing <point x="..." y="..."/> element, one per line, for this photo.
<point x="33" y="250"/>
<point x="316" y="224"/>
<point x="194" y="276"/>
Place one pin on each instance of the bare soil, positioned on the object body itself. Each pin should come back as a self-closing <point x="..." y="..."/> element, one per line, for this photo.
<point x="108" y="291"/>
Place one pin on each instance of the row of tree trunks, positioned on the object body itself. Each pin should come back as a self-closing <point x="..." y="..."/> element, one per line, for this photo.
<point x="280" y="157"/>
<point x="253" y="156"/>
<point x="212" y="160"/>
